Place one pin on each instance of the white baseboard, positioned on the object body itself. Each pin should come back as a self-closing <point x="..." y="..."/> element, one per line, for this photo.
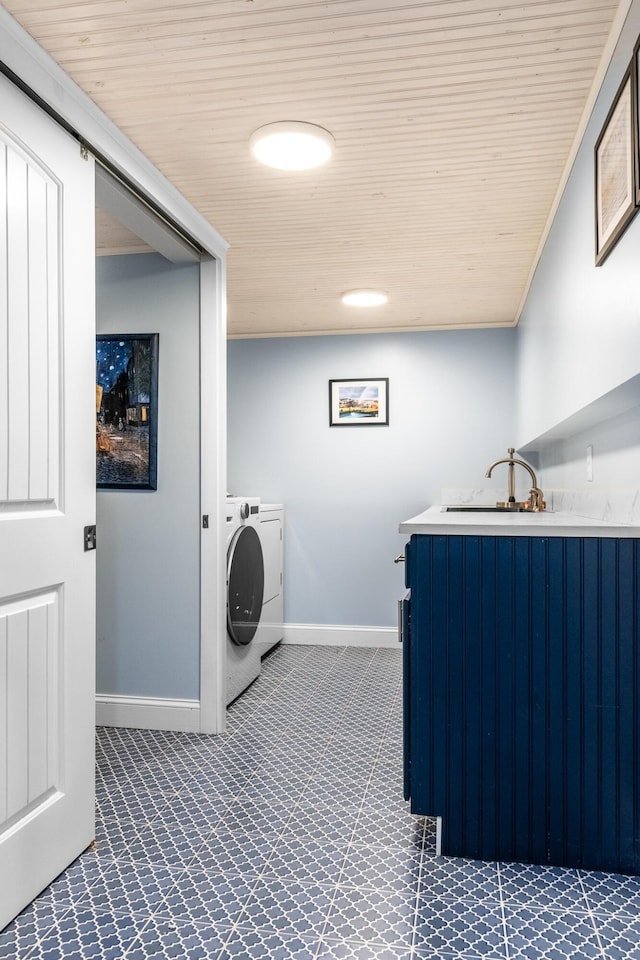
<point x="324" y="635"/>
<point x="148" y="713"/>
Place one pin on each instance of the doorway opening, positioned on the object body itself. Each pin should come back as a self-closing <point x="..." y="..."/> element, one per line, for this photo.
<point x="155" y="629"/>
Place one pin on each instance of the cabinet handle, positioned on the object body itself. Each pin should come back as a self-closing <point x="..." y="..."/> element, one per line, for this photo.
<point x="399" y="558"/>
<point x="401" y="603"/>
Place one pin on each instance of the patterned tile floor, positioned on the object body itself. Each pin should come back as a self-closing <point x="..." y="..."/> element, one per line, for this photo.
<point x="288" y="839"/>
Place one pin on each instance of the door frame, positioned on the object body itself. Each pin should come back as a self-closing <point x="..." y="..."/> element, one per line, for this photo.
<point x="213" y="491"/>
<point x="24" y="62"/>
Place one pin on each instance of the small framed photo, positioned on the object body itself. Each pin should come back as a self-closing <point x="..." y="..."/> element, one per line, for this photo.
<point x="615" y="163"/>
<point x="359" y="403"/>
<point x="126" y="411"/>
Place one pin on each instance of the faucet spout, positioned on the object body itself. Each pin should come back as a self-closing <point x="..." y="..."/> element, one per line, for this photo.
<point x="536" y="496"/>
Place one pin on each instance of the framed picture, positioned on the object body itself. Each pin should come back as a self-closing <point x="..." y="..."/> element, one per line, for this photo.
<point x="359" y="403"/>
<point x="615" y="163"/>
<point x="126" y="411"/>
<point x="635" y="73"/>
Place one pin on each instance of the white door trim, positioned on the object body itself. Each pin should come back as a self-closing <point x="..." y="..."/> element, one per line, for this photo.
<point x="213" y="479"/>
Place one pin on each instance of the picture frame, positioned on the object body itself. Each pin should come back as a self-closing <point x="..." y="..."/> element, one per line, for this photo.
<point x="359" y="402"/>
<point x="616" y="184"/>
<point x="126" y="411"/>
<point x="636" y="112"/>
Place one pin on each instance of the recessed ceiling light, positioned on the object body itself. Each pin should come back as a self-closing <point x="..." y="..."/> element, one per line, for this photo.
<point x="292" y="145"/>
<point x="364" y="298"/>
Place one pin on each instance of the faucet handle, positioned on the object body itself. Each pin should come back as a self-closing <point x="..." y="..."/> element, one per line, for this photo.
<point x="536" y="499"/>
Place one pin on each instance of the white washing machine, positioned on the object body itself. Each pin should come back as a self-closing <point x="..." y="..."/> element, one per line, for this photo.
<point x="245" y="591"/>
<point x="254" y="588"/>
<point x="270" y="529"/>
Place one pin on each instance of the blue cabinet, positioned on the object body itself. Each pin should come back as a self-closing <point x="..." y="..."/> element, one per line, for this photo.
<point x="522" y="697"/>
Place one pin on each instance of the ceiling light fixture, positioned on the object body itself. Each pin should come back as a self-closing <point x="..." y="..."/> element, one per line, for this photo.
<point x="364" y="298"/>
<point x="291" y="145"/>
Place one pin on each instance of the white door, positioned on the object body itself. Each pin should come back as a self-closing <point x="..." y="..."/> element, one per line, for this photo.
<point x="47" y="496"/>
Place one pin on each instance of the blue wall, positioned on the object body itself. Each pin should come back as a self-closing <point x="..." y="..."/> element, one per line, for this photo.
<point x="148" y="559"/>
<point x="345" y="489"/>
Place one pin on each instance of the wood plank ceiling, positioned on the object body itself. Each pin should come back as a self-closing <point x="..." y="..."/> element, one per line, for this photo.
<point x="453" y="120"/>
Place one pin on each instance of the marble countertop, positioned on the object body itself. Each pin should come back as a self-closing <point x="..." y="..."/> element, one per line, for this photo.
<point x="547" y="523"/>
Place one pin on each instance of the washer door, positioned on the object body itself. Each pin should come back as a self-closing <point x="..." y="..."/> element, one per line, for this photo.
<point x="245" y="585"/>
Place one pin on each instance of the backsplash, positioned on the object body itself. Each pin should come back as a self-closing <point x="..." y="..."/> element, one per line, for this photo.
<point x="617" y="506"/>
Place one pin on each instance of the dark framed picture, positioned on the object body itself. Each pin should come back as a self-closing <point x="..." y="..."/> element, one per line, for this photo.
<point x="126" y="411"/>
<point x="359" y="403"/>
<point x="615" y="168"/>
<point x="636" y="111"/>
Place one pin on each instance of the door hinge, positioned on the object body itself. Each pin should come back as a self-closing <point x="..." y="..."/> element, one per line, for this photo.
<point x="84" y="152"/>
<point x="205" y="521"/>
<point x="90" y="537"/>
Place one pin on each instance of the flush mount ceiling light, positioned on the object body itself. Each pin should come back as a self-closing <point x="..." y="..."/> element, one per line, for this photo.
<point x="291" y="145"/>
<point x="364" y="298"/>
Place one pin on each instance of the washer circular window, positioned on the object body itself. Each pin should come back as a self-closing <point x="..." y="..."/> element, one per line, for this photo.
<point x="245" y="576"/>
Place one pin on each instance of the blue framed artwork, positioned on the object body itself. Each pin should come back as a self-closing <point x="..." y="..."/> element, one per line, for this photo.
<point x="126" y="411"/>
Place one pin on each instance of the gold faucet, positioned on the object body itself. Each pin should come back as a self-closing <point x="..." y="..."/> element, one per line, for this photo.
<point x="536" y="496"/>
